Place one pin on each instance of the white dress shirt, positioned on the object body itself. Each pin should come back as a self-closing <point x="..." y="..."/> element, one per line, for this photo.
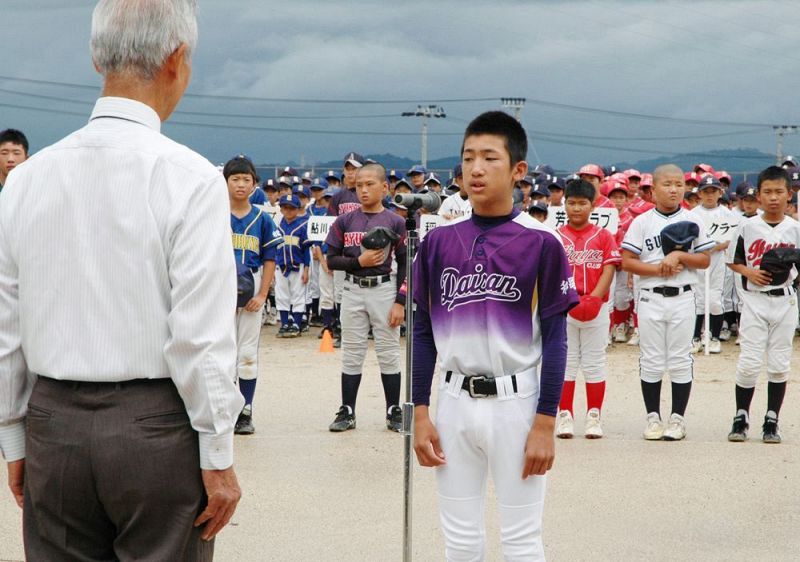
<point x="115" y="264"/>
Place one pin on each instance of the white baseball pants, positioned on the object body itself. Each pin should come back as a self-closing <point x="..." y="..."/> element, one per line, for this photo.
<point x="666" y="326"/>
<point x="730" y="297"/>
<point x="767" y="326"/>
<point x="586" y="347"/>
<point x="313" y="281"/>
<point x="248" y="331"/>
<point x="290" y="292"/>
<point x="363" y="308"/>
<point x="479" y="436"/>
<point x="326" y="301"/>
<point x="338" y="285"/>
<point x="623" y="295"/>
<point x="717" y="269"/>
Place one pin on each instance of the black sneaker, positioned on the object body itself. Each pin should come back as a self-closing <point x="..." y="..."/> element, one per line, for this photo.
<point x="292" y="332"/>
<point x="345" y="419"/>
<point x="244" y="425"/>
<point x="739" y="430"/>
<point x="303" y="326"/>
<point x="315" y="321"/>
<point x="282" y="331"/>
<point x="370" y="336"/>
<point x="337" y="341"/>
<point x="322" y="332"/>
<point x="403" y="331"/>
<point x="770" y="431"/>
<point x="394" y="419"/>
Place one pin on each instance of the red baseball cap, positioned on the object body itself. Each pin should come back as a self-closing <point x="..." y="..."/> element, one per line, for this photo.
<point x="592" y="170"/>
<point x="647" y="180"/>
<point x="632" y="173"/>
<point x="614" y="184"/>
<point x="703" y="168"/>
<point x="723" y="175"/>
<point x="691" y="176"/>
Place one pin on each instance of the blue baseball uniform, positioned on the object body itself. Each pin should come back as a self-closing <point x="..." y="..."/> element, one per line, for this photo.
<point x="293" y="256"/>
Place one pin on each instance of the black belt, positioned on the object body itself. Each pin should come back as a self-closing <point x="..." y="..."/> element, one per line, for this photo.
<point x="670" y="291"/>
<point x="368" y="282"/>
<point x="786" y="291"/>
<point x="480" y="386"/>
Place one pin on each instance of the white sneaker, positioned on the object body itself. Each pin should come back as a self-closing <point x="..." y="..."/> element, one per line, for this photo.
<point x="620" y="333"/>
<point x="714" y="346"/>
<point x="272" y="317"/>
<point x="676" y="428"/>
<point x="697" y="345"/>
<point x="724" y="335"/>
<point x="593" y="429"/>
<point x="565" y="426"/>
<point x="634" y="339"/>
<point x="655" y="429"/>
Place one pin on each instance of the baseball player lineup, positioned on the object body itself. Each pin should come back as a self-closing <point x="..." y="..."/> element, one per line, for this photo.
<point x="613" y="258"/>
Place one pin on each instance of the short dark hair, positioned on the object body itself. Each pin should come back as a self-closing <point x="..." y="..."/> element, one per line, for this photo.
<point x="380" y="170"/>
<point x="580" y="188"/>
<point x="239" y="165"/>
<point x="15" y="137"/>
<point x="774" y="173"/>
<point x="501" y="124"/>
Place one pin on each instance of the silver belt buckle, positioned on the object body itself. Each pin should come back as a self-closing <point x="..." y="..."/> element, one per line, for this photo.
<point x="471" y="391"/>
<point x="363" y="282"/>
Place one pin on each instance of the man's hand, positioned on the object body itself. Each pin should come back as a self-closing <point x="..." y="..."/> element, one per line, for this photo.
<point x="540" y="448"/>
<point x="671" y="265"/>
<point x="256" y="303"/>
<point x="758" y="276"/>
<point x="16" y="479"/>
<point x="223" y="493"/>
<point x="396" y="315"/>
<point x="371" y="258"/>
<point x="304" y="276"/>
<point x="426" y="439"/>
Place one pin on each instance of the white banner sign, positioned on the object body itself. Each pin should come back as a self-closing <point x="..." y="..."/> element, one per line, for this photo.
<point x="428" y="223"/>
<point x="318" y="228"/>
<point x="605" y="217"/>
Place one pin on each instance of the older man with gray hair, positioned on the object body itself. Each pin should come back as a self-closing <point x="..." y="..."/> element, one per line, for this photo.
<point x="117" y="302"/>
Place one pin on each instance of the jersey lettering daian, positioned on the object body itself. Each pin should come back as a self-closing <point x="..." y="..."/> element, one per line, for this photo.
<point x="644" y="239"/>
<point x="589" y="250"/>
<point x="754" y="238"/>
<point x="486" y="290"/>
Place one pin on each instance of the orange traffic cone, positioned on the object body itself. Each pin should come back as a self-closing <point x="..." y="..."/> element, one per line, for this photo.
<point x="326" y="345"/>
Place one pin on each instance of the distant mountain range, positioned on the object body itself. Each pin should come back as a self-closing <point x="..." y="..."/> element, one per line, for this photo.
<point x="737" y="162"/>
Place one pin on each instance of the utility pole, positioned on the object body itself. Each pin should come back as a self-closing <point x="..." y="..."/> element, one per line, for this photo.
<point x="780" y="132"/>
<point x="516" y="104"/>
<point x="425" y="111"/>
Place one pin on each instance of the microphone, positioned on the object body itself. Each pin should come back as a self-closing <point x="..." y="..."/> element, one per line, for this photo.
<point x="427" y="200"/>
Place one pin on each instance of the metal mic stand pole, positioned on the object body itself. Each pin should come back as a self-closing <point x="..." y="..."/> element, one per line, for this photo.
<point x="412" y="238"/>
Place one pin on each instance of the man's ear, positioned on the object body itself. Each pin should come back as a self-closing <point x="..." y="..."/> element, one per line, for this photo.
<point x="174" y="63"/>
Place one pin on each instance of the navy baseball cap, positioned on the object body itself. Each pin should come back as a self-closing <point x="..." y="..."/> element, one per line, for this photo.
<point x="794" y="176"/>
<point x="556" y="183"/>
<point x="789" y="162"/>
<point x="540" y="189"/>
<point x="403" y="182"/>
<point x="329" y="191"/>
<point x="288" y="171"/>
<point x="416" y="169"/>
<point x="528" y="179"/>
<point x="749" y="191"/>
<point x="538" y="206"/>
<point x="332" y="174"/>
<point x="543" y="169"/>
<point x="709" y="181"/>
<point x="457" y="171"/>
<point x="690" y="193"/>
<point x="319" y="183"/>
<point x="742" y="188"/>
<point x="354" y="159"/>
<point x="395" y="174"/>
<point x="301" y="190"/>
<point x="432" y="178"/>
<point x="285" y="180"/>
<point x="571" y="177"/>
<point x="307" y="176"/>
<point x="289" y="201"/>
<point x="269" y="185"/>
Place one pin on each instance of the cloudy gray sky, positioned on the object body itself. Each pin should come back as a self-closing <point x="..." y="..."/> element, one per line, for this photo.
<point x="726" y="61"/>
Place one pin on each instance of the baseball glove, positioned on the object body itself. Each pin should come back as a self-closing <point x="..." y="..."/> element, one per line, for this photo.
<point x="379" y="238"/>
<point x="587" y="309"/>
<point x="779" y="262"/>
<point x="679" y="236"/>
<point x="246" y="285"/>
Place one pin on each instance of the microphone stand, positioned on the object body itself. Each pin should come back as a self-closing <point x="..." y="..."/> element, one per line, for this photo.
<point x="412" y="238"/>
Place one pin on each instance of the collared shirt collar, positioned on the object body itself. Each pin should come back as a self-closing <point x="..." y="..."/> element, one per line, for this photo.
<point x="128" y="109"/>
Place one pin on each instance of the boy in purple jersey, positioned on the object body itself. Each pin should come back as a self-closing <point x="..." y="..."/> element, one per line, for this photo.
<point x="370" y="296"/>
<point x="494" y="320"/>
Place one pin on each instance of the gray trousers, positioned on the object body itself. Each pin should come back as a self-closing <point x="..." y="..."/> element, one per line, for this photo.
<point x="111" y="473"/>
<point x="362" y="309"/>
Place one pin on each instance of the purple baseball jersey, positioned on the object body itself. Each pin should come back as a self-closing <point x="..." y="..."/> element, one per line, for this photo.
<point x="486" y="291"/>
<point x="348" y="230"/>
<point x="343" y="201"/>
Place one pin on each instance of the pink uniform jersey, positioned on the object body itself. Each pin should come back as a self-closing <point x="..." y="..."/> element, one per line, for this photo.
<point x="588" y="251"/>
<point x="625" y="220"/>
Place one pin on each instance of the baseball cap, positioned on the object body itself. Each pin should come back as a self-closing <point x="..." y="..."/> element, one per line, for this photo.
<point x="692" y="192"/>
<point x="395" y="174"/>
<point x="789" y="161"/>
<point x="691" y="176"/>
<point x="613" y="185"/>
<point x="290" y="201"/>
<point x="632" y="173"/>
<point x="708" y="181"/>
<point x="319" y="183"/>
<point x="571" y="177"/>
<point x="540" y="189"/>
<point x="354" y="158"/>
<point x="288" y="171"/>
<point x="542" y="169"/>
<point x="742" y="188"/>
<point x="794" y="176"/>
<point x="301" y="190"/>
<point x="610" y="170"/>
<point x="307" y="176"/>
<point x="457" y="171"/>
<point x="329" y="191"/>
<point x="332" y="174"/>
<point x="285" y="180"/>
<point x="432" y="178"/>
<point x="555" y="183"/>
<point x="702" y="168"/>
<point x="269" y="185"/>
<point x="538" y="207"/>
<point x="592" y="170"/>
<point x="748" y="191"/>
<point x="416" y="169"/>
<point x="528" y="179"/>
<point x="403" y="182"/>
<point x="647" y="180"/>
<point x="722" y="175"/>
